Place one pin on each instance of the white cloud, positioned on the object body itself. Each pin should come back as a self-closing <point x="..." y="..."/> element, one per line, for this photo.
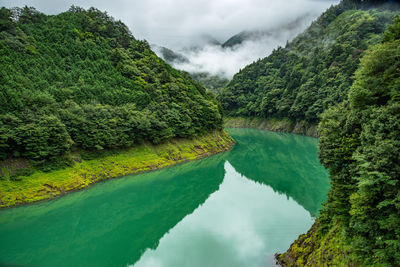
<point x="228" y="61"/>
<point x="179" y="23"/>
<point x="171" y="22"/>
<point x="242" y="224"/>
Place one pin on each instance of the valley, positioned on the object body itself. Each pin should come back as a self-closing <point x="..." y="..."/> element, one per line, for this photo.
<point x="276" y="129"/>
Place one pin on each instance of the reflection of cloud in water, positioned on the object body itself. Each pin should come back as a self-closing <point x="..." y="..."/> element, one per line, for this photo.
<point x="242" y="224"/>
<point x="287" y="163"/>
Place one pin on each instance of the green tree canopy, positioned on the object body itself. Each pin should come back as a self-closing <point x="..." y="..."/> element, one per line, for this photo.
<point x="80" y="80"/>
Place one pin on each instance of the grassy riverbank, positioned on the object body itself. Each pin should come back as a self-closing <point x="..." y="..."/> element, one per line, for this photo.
<point x="138" y="159"/>
<point x="314" y="249"/>
<point x="276" y="125"/>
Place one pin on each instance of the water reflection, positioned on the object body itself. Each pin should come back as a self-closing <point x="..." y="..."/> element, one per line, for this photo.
<point x="242" y="224"/>
<point x="236" y="209"/>
<point x="110" y="224"/>
<point x="286" y="162"/>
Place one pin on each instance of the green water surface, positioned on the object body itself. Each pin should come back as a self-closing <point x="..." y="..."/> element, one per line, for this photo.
<point x="233" y="209"/>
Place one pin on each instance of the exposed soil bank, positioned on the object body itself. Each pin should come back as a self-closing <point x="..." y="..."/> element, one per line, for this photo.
<point x="284" y="125"/>
<point x="83" y="173"/>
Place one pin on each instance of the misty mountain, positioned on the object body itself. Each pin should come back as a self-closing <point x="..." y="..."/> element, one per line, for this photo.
<point x="272" y="33"/>
<point x="213" y="64"/>
<point x="214" y="83"/>
<point x="210" y="81"/>
<point x="312" y="72"/>
<point x="239" y="38"/>
<point x="171" y="57"/>
<point x="207" y="55"/>
<point x="207" y="39"/>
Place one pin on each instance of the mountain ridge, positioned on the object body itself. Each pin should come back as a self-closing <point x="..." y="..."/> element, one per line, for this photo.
<point x="318" y="67"/>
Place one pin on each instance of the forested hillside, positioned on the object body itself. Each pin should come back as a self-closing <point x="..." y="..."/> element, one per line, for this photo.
<point x="343" y="72"/>
<point x="314" y="71"/>
<point x="80" y="80"/>
<point x="360" y="144"/>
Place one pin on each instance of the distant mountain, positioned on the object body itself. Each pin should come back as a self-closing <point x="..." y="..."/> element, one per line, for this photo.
<point x="213" y="64"/>
<point x="208" y="39"/>
<point x="212" y="82"/>
<point x="239" y="38"/>
<point x="255" y="35"/>
<point x="171" y="57"/>
<point x="201" y="41"/>
<point x="313" y="71"/>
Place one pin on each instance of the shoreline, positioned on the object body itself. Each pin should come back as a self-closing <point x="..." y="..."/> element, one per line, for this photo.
<point x="288" y="257"/>
<point x="143" y="158"/>
<point x="275" y="125"/>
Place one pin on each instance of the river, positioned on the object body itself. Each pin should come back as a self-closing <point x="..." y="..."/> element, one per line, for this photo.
<point x="237" y="208"/>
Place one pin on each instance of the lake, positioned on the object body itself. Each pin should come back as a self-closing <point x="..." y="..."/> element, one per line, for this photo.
<point x="237" y="208"/>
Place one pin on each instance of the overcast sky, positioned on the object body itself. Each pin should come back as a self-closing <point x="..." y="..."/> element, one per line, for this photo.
<point x="173" y="22"/>
<point x="177" y="24"/>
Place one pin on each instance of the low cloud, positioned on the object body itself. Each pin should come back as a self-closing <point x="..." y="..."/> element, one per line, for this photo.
<point x="177" y="24"/>
<point x="226" y="61"/>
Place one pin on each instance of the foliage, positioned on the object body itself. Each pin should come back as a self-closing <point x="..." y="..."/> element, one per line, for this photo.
<point x="80" y="80"/>
<point x="214" y="83"/>
<point x="140" y="158"/>
<point x="314" y="249"/>
<point x="312" y="72"/>
<point x="360" y="144"/>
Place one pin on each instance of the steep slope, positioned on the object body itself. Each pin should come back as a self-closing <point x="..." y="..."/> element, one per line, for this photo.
<point x="80" y="80"/>
<point x="239" y="38"/>
<point x="213" y="82"/>
<point x="170" y="56"/>
<point x="312" y="72"/>
<point x="360" y="144"/>
<point x="276" y="32"/>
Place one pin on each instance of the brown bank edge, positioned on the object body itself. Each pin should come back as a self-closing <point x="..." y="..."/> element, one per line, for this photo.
<point x="275" y="125"/>
<point x="138" y="159"/>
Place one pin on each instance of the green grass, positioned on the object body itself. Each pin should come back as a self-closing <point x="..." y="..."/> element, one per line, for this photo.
<point x="317" y="249"/>
<point x="138" y="159"/>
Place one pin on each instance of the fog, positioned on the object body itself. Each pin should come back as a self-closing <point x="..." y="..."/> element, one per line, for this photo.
<point x="227" y="61"/>
<point x="179" y="24"/>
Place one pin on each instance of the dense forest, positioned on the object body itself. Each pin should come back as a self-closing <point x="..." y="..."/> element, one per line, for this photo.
<point x="213" y="82"/>
<point x="360" y="145"/>
<point x="343" y="72"/>
<point x="312" y="72"/>
<point x="80" y="80"/>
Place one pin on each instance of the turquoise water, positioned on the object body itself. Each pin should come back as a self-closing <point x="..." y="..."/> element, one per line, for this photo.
<point x="233" y="209"/>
